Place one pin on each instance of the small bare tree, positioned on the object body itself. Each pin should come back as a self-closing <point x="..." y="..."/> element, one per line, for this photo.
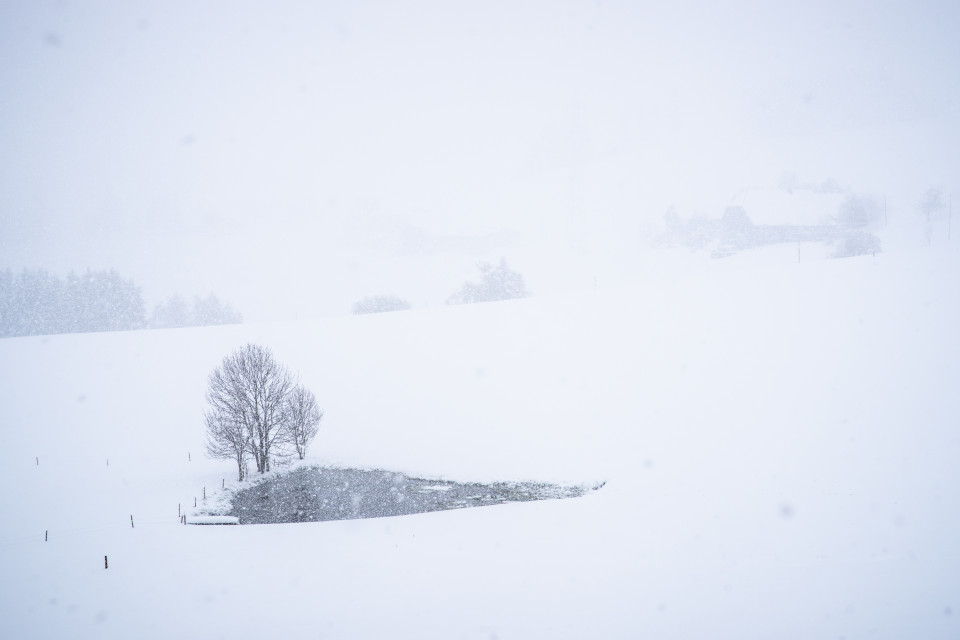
<point x="226" y="437"/>
<point x="248" y="398"/>
<point x="303" y="419"/>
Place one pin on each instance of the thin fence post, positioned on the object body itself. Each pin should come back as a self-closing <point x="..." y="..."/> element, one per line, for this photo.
<point x="38" y="461"/>
<point x="204" y="493"/>
<point x="194" y="501"/>
<point x="45" y="534"/>
<point x="105" y="564"/>
<point x="131" y="521"/>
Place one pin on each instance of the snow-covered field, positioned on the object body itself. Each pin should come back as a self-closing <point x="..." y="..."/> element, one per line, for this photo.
<point x="780" y="443"/>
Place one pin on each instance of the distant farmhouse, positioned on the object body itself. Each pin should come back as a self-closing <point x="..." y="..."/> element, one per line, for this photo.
<point x="761" y="217"/>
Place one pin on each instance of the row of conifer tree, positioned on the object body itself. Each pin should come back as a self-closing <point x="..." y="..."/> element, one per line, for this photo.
<point x="35" y="302"/>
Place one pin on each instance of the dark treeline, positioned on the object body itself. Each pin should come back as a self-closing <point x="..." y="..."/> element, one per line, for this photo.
<point x="34" y="302"/>
<point x="37" y="303"/>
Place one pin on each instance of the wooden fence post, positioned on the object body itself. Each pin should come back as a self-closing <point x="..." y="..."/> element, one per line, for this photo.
<point x="105" y="565"/>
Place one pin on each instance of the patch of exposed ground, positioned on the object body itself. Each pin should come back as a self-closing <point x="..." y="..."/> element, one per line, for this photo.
<point x="314" y="494"/>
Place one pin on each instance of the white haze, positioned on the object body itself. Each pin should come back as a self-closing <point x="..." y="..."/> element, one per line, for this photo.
<point x="777" y="432"/>
<point x="295" y="157"/>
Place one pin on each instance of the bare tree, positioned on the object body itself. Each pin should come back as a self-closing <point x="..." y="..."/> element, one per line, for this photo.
<point x="303" y="419"/>
<point x="248" y="395"/>
<point x="226" y="436"/>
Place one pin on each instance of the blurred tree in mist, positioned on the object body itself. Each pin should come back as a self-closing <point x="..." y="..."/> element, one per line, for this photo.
<point x="736" y="228"/>
<point x="932" y="207"/>
<point x="496" y="283"/>
<point x="173" y="313"/>
<point x="696" y="233"/>
<point x="858" y="212"/>
<point x="176" y="313"/>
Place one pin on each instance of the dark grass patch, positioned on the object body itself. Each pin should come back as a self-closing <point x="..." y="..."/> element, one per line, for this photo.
<point x="314" y="494"/>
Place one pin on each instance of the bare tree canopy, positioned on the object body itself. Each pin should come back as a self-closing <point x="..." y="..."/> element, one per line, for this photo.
<point x="226" y="438"/>
<point x="304" y="419"/>
<point x="256" y="408"/>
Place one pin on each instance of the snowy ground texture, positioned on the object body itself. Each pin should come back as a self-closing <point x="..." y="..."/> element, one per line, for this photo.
<point x="780" y="443"/>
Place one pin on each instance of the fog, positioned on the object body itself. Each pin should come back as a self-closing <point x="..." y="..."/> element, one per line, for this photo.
<point x="733" y="220"/>
<point x="295" y="157"/>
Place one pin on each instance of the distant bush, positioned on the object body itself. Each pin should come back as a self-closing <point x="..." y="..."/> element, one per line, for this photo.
<point x="855" y="243"/>
<point x="380" y="304"/>
<point x="496" y="283"/>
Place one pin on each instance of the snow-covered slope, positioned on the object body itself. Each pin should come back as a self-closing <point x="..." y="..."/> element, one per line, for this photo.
<point x="779" y="440"/>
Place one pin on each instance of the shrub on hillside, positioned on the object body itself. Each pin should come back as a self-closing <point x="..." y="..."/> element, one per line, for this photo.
<point x="380" y="304"/>
<point x="496" y="283"/>
<point x="855" y="243"/>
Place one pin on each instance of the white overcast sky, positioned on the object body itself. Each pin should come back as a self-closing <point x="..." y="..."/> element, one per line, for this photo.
<point x="125" y="120"/>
